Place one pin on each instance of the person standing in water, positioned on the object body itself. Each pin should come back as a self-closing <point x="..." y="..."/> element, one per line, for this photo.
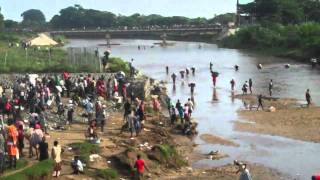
<point x="211" y="66"/>
<point x="193" y="70"/>
<point x="182" y="74"/>
<point x="260" y="102"/>
<point x="187" y="71"/>
<point x="250" y="85"/>
<point x="308" y="97"/>
<point x="174" y="76"/>
<point x="167" y="70"/>
<point x="270" y="87"/>
<point x="236" y="67"/>
<point x="233" y="83"/>
<point x="192" y="86"/>
<point x="214" y="78"/>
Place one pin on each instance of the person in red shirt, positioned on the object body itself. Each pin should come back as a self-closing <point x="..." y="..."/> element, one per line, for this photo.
<point x="140" y="166"/>
<point x="214" y="78"/>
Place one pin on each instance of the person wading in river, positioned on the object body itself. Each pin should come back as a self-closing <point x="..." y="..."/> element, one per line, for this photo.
<point x="260" y="102"/>
<point x="270" y="87"/>
<point x="214" y="78"/>
<point x="167" y="70"/>
<point x="250" y="85"/>
<point x="182" y="74"/>
<point x="192" y="86"/>
<point x="308" y="97"/>
<point x="193" y="71"/>
<point x="174" y="76"/>
<point x="233" y="83"/>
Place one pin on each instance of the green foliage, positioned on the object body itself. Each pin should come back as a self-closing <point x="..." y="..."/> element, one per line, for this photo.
<point x="78" y="17"/>
<point x="38" y="171"/>
<point x="10" y="24"/>
<point x="284" y="11"/>
<point x="33" y="18"/>
<point x="292" y="38"/>
<point x="1" y="21"/>
<point x="170" y="156"/>
<point x="16" y="59"/>
<point x="223" y="18"/>
<point x="84" y="150"/>
<point x="117" y="64"/>
<point x="60" y="39"/>
<point x="107" y="174"/>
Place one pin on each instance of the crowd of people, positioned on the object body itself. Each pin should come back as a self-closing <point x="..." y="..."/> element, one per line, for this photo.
<point x="30" y="105"/>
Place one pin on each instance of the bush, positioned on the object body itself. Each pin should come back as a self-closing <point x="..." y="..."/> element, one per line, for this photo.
<point x="108" y="174"/>
<point x="117" y="64"/>
<point x="296" y="40"/>
<point x="84" y="150"/>
<point x="167" y="154"/>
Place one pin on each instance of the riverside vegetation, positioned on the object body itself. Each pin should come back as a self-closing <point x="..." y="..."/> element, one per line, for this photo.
<point x="301" y="41"/>
<point x="15" y="59"/>
<point x="287" y="28"/>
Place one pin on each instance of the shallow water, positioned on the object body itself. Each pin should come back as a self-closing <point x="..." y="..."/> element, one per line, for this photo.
<point x="216" y="110"/>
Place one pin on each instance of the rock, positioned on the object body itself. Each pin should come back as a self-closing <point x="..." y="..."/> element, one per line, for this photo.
<point x="189" y="169"/>
<point x="94" y="157"/>
<point x="272" y="109"/>
<point x="216" y="155"/>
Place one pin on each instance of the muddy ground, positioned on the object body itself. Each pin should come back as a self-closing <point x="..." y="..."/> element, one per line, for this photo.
<point x="290" y="119"/>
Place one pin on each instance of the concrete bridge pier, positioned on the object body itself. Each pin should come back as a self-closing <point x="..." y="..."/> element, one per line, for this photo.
<point x="164" y="38"/>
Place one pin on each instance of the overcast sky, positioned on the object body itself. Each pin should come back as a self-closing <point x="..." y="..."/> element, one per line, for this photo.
<point x="11" y="9"/>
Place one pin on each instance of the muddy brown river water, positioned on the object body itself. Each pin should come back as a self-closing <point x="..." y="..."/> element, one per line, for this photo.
<point x="215" y="109"/>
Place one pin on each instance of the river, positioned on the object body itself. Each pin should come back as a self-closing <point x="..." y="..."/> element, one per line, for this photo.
<point x="216" y="110"/>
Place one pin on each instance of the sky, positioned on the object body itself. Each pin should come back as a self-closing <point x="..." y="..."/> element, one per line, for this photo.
<point x="12" y="9"/>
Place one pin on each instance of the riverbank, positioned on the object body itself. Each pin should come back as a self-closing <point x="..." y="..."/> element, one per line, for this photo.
<point x="296" y="42"/>
<point x="290" y="119"/>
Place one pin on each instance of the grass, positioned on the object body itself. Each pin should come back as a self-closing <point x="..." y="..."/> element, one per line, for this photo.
<point x="38" y="171"/>
<point x="84" y="150"/>
<point x="108" y="174"/>
<point x="34" y="60"/>
<point x="171" y="156"/>
<point x="21" y="163"/>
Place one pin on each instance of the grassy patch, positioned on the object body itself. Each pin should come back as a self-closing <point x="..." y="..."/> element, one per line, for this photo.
<point x="167" y="154"/>
<point x="41" y="59"/>
<point x="108" y="174"/>
<point x="84" y="150"/>
<point x="21" y="163"/>
<point x="39" y="171"/>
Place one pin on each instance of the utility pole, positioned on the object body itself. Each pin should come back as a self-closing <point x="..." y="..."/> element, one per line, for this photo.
<point x="238" y="16"/>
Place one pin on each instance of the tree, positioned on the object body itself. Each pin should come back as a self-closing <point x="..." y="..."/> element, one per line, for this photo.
<point x="223" y="19"/>
<point x="311" y="10"/>
<point x="1" y="21"/>
<point x="78" y="17"/>
<point x="290" y="12"/>
<point x="10" y="24"/>
<point x="33" y="18"/>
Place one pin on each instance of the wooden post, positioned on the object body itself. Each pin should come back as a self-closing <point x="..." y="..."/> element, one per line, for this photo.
<point x="5" y="58"/>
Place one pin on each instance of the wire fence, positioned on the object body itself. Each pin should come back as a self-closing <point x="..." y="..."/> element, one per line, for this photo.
<point x="84" y="58"/>
<point x="45" y="59"/>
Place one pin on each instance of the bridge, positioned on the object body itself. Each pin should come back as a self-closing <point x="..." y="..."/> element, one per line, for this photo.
<point x="116" y="33"/>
